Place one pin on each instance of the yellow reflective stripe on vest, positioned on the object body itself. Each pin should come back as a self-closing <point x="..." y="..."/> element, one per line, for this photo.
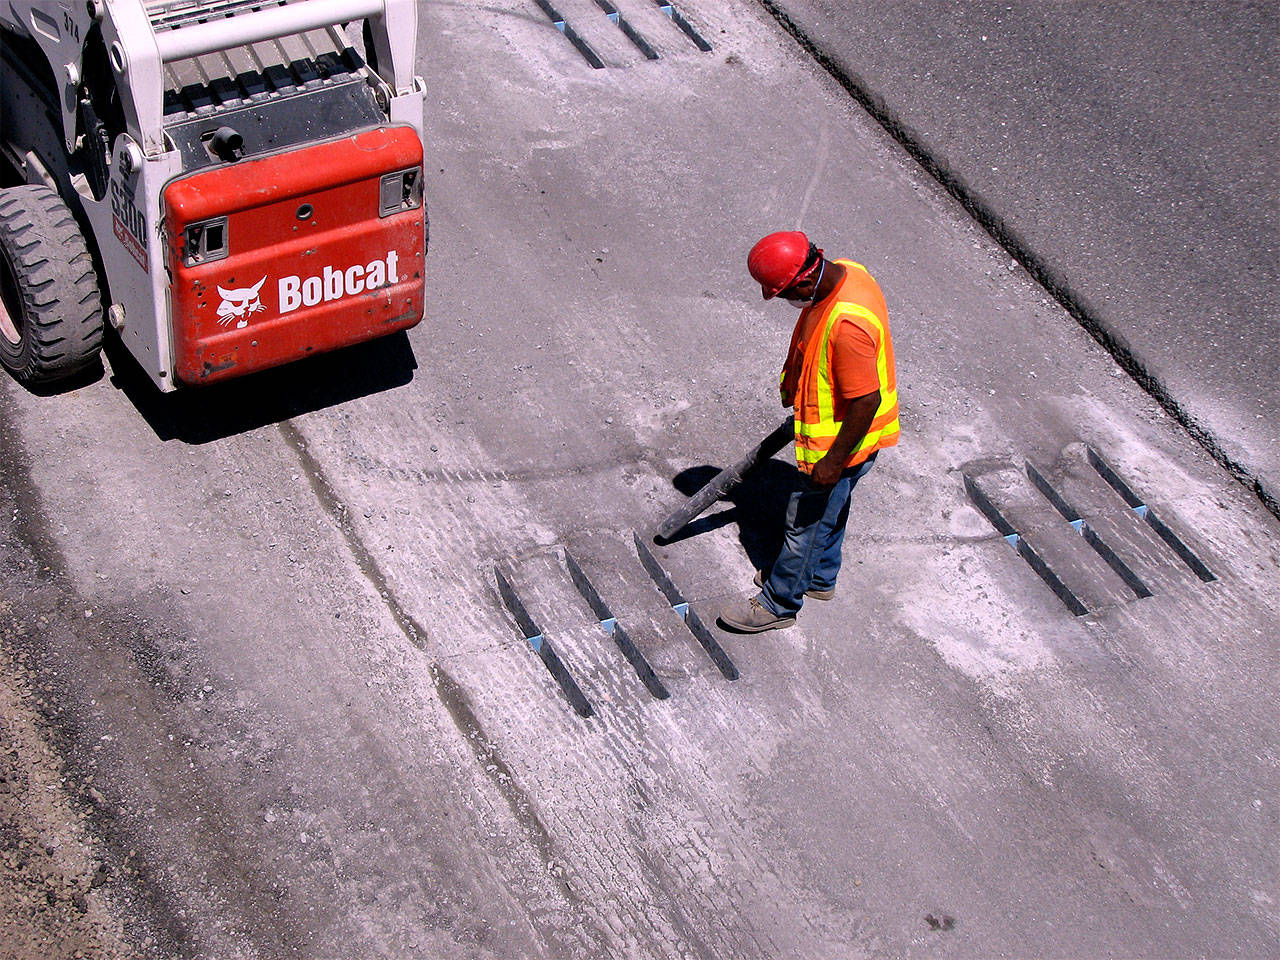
<point x="828" y="430"/>
<point x="816" y="431"/>
<point x="888" y="398"/>
<point x="826" y="399"/>
<point x="808" y="454"/>
<point x="825" y="430"/>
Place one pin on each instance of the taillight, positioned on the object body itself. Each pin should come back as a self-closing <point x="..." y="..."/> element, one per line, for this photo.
<point x="205" y="242"/>
<point x="400" y="191"/>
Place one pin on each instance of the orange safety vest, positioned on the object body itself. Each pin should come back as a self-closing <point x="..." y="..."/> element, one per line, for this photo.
<point x="858" y="300"/>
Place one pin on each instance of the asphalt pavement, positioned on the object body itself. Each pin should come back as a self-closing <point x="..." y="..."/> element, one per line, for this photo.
<point x="1125" y="152"/>
<point x="272" y="628"/>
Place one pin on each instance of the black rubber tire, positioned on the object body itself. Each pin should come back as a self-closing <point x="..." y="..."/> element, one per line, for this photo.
<point x="51" y="314"/>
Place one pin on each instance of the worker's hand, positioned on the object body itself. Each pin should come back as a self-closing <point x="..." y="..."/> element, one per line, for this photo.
<point x="826" y="472"/>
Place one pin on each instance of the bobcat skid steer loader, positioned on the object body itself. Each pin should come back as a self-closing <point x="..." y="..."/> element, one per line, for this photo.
<point x="237" y="182"/>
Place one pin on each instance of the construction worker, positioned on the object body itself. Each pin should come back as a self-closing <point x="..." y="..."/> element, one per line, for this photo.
<point x="839" y="377"/>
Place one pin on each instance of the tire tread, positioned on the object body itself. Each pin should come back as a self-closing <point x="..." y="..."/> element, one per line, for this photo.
<point x="57" y="285"/>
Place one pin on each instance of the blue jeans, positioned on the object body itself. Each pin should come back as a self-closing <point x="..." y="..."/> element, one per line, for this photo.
<point x="810" y="557"/>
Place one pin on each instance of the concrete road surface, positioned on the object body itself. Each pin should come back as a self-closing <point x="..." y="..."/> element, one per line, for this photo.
<point x="270" y="645"/>
<point x="1126" y="153"/>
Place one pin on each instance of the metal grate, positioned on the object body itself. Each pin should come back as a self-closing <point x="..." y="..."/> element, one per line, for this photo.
<point x="628" y="29"/>
<point x="1100" y="547"/>
<point x="1013" y="514"/>
<point x="686" y="613"/>
<point x="685" y="26"/>
<point x="610" y="625"/>
<point x="570" y="34"/>
<point x="542" y="646"/>
<point x="522" y="595"/>
<point x="172" y="14"/>
<point x="1139" y="506"/>
<point x="1023" y="548"/>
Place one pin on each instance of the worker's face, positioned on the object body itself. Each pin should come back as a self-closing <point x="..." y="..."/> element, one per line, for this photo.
<point x="801" y="293"/>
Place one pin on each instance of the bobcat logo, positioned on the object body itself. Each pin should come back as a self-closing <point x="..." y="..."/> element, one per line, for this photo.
<point x="239" y="304"/>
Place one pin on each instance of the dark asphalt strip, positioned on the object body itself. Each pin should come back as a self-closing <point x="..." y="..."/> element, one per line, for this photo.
<point x="42" y="627"/>
<point x="1053" y="280"/>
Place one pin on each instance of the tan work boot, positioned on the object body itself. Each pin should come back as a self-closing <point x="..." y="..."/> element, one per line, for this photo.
<point x="816" y="594"/>
<point x="748" y="616"/>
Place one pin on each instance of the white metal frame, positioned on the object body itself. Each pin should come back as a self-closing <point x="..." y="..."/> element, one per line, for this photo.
<point x="142" y="162"/>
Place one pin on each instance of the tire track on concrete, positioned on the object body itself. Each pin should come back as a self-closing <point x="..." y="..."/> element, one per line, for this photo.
<point x="454" y="699"/>
<point x="1054" y="281"/>
<point x="332" y="504"/>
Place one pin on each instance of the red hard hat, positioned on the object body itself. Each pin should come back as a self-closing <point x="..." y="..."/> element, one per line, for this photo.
<point x="779" y="260"/>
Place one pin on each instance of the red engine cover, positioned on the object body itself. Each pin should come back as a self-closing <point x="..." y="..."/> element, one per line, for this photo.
<point x="295" y="280"/>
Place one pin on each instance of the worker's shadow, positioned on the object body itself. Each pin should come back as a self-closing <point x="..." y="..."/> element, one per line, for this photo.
<point x="203" y="414"/>
<point x="758" y="505"/>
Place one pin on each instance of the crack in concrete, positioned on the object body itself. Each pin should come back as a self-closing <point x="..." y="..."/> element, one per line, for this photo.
<point x="1052" y="280"/>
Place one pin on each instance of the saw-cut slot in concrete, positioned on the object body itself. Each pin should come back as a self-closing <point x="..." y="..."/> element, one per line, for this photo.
<point x="628" y="30"/>
<point x="1023" y="548"/>
<point x="682" y="609"/>
<point x="1144" y="512"/>
<point x="685" y="26"/>
<point x="1091" y="537"/>
<point x="570" y="34"/>
<point x="610" y="625"/>
<point x="542" y="646"/>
